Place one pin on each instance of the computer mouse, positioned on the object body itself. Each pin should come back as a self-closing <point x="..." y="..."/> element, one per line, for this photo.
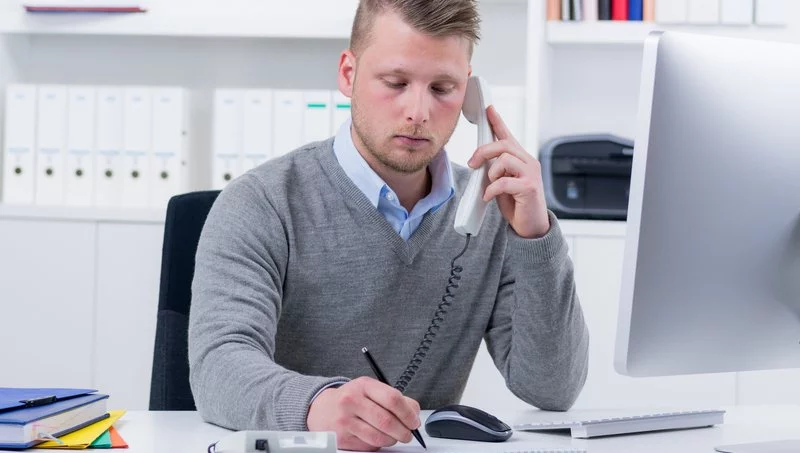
<point x="457" y="421"/>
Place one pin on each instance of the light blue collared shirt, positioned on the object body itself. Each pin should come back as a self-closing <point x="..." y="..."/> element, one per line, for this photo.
<point x="382" y="196"/>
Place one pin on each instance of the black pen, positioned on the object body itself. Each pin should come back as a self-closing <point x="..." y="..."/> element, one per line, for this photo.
<point x="382" y="378"/>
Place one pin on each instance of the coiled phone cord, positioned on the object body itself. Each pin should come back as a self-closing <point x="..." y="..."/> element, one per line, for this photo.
<point x="438" y="317"/>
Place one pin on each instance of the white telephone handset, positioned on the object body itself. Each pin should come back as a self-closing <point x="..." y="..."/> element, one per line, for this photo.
<point x="472" y="208"/>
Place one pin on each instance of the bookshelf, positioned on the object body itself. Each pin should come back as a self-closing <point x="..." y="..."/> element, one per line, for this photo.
<point x="634" y="33"/>
<point x="83" y="214"/>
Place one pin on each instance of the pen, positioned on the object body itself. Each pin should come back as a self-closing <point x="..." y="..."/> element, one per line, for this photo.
<point x="41" y="401"/>
<point x="382" y="378"/>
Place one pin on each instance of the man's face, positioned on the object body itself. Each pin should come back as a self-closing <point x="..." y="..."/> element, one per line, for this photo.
<point x="407" y="89"/>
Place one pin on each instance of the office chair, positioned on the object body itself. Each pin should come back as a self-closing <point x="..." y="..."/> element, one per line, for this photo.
<point x="169" y="384"/>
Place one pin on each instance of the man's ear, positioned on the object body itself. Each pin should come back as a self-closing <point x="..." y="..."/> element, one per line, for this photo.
<point x="347" y="72"/>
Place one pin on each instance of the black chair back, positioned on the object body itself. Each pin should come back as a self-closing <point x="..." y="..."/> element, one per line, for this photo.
<point x="169" y="385"/>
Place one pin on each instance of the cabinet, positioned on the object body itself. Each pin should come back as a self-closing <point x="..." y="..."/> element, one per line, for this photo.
<point x="47" y="303"/>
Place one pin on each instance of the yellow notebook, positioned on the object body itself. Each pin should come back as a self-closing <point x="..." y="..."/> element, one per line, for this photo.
<point x="82" y="438"/>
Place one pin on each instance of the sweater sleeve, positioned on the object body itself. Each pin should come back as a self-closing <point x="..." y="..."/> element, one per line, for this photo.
<point x="236" y="303"/>
<point x="537" y="336"/>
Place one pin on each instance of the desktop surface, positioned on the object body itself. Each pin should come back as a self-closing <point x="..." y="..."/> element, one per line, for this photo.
<point x="171" y="432"/>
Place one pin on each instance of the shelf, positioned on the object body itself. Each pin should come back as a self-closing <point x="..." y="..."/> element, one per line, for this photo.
<point x="599" y="228"/>
<point x="81" y="214"/>
<point x="634" y="33"/>
<point x="296" y="19"/>
<point x="595" y="228"/>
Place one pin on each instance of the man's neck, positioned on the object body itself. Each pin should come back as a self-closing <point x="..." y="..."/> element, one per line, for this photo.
<point x="409" y="187"/>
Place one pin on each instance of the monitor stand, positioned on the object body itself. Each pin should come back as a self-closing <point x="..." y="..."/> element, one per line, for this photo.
<point x="779" y="446"/>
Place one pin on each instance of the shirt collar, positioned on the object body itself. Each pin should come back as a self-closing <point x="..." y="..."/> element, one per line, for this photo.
<point x="365" y="178"/>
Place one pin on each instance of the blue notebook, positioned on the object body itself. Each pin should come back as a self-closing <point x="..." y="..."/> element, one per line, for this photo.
<point x="15" y="398"/>
<point x="23" y="427"/>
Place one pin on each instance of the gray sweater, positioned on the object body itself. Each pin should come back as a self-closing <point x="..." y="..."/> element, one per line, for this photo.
<point x="296" y="271"/>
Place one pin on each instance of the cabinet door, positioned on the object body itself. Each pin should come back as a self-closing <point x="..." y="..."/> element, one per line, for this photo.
<point x="46" y="303"/>
<point x="128" y="269"/>
<point x="598" y="273"/>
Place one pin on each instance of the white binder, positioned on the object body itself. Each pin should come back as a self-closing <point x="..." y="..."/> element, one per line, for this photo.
<point x="672" y="11"/>
<point x="227" y="137"/>
<point x="257" y="128"/>
<point x="80" y="171"/>
<point x="288" y="118"/>
<point x="109" y="125"/>
<point x="736" y="12"/>
<point x="137" y="147"/>
<point x="703" y="12"/>
<point x="772" y="12"/>
<point x="51" y="138"/>
<point x="170" y="161"/>
<point x="18" y="150"/>
<point x="341" y="110"/>
<point x="317" y="116"/>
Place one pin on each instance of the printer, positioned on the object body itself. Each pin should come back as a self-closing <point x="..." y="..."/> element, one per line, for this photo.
<point x="587" y="176"/>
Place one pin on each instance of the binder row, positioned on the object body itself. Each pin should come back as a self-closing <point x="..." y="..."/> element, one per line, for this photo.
<point x="94" y="146"/>
<point x="699" y="12"/>
<point x="255" y="125"/>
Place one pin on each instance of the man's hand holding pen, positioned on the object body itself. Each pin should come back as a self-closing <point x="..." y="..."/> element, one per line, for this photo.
<point x="365" y="414"/>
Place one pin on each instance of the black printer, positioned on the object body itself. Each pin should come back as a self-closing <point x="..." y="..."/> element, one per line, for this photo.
<point x="587" y="176"/>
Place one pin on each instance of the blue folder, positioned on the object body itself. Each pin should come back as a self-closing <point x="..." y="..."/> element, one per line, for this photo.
<point x="17" y="398"/>
<point x="23" y="406"/>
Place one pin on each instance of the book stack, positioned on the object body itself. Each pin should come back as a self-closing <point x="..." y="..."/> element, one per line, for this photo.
<point x="692" y="12"/>
<point x="57" y="418"/>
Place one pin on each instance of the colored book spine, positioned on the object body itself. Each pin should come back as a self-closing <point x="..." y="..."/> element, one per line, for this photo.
<point x="649" y="10"/>
<point x="635" y="10"/>
<point x="604" y="9"/>
<point x="619" y="9"/>
<point x="553" y="9"/>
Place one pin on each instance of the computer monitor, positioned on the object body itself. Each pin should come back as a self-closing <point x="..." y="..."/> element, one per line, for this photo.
<point x="711" y="278"/>
<point x="711" y="274"/>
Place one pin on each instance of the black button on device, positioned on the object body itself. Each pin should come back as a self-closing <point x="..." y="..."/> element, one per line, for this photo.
<point x="109" y="173"/>
<point x="135" y="173"/>
<point x="18" y="170"/>
<point x="261" y="445"/>
<point x="489" y="420"/>
<point x="227" y="176"/>
<point x="79" y="172"/>
<point x="164" y="175"/>
<point x="49" y="172"/>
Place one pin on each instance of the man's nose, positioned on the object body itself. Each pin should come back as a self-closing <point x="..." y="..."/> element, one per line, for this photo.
<point x="418" y="107"/>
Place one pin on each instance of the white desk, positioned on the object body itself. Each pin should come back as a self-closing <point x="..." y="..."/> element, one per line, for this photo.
<point x="178" y="432"/>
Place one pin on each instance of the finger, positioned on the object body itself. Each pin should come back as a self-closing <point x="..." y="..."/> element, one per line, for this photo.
<point x="392" y="400"/>
<point x="413" y="404"/>
<point x="505" y="185"/>
<point x="383" y="420"/>
<point x="370" y="435"/>
<point x="506" y="165"/>
<point x="349" y="441"/>
<point x="501" y="131"/>
<point x="495" y="149"/>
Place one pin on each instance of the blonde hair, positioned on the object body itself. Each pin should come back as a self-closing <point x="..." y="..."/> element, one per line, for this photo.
<point x="438" y="18"/>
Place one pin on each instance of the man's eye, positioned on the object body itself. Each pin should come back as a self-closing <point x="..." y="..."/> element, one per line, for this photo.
<point x="441" y="90"/>
<point x="395" y="84"/>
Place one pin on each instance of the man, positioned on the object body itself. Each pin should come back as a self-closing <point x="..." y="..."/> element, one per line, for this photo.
<point x="348" y="243"/>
